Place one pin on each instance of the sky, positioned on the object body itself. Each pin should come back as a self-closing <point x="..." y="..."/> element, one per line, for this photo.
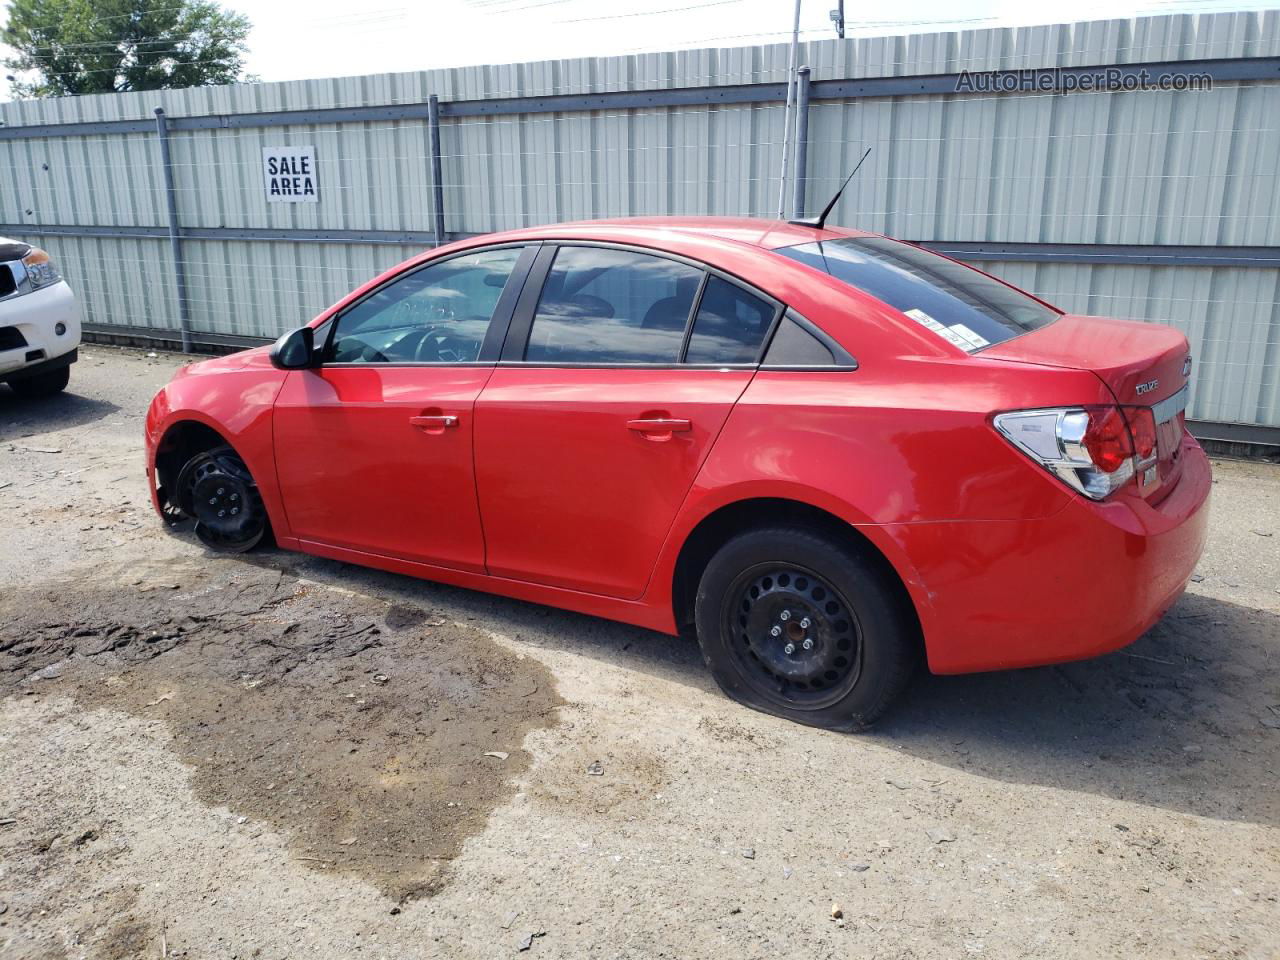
<point x="292" y="39"/>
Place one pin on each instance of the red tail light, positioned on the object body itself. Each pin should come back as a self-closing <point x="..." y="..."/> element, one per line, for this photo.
<point x="1093" y="449"/>
<point x="1142" y="426"/>
<point x="1107" y="439"/>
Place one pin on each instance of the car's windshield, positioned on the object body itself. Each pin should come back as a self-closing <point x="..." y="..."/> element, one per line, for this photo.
<point x="960" y="305"/>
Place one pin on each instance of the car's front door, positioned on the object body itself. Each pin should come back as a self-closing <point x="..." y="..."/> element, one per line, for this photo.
<point x="618" y="373"/>
<point x="374" y="446"/>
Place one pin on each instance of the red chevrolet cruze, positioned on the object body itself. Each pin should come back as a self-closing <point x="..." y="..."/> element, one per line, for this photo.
<point x="825" y="451"/>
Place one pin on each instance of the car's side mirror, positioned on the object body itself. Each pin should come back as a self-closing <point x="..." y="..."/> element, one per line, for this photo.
<point x="295" y="350"/>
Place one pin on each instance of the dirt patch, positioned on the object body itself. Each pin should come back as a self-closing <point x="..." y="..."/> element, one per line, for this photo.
<point x="619" y="782"/>
<point x="738" y="734"/>
<point x="357" y="730"/>
<point x="128" y="934"/>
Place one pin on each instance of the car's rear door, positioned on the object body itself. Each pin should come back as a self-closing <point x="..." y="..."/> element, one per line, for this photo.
<point x="374" y="445"/>
<point x="619" y="370"/>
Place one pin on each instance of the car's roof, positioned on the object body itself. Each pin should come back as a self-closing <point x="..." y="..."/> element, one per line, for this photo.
<point x="751" y="231"/>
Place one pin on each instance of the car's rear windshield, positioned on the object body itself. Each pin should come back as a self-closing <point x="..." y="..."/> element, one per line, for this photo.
<point x="960" y="305"/>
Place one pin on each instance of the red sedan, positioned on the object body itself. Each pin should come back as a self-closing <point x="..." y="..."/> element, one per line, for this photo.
<point x="825" y="451"/>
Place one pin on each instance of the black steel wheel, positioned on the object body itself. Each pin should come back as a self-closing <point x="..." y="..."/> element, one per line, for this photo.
<point x="217" y="491"/>
<point x="796" y="639"/>
<point x="799" y="624"/>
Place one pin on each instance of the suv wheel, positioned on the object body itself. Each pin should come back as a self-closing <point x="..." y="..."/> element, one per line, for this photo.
<point x="42" y="384"/>
<point x="216" y="489"/>
<point x="795" y="624"/>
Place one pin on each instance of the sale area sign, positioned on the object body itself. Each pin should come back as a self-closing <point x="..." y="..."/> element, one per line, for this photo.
<point x="290" y="174"/>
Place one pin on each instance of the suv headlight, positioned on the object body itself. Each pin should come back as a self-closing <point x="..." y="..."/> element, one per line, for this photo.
<point x="40" y="269"/>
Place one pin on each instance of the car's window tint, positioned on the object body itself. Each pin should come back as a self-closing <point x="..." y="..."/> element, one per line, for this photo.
<point x="959" y="304"/>
<point x="436" y="314"/>
<point x="730" y="325"/>
<point x="794" y="346"/>
<point x="612" y="306"/>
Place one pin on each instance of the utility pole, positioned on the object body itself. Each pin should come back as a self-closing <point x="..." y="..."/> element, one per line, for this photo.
<point x="802" y="141"/>
<point x="837" y="17"/>
<point x="786" y="116"/>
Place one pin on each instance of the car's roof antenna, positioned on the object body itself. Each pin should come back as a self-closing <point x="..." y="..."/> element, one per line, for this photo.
<point x="820" y="220"/>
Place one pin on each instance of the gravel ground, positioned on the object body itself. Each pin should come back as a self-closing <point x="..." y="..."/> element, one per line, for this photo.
<point x="278" y="756"/>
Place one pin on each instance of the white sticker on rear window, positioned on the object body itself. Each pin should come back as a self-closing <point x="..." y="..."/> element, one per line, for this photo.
<point x="975" y="341"/>
<point x="922" y="318"/>
<point x="949" y="334"/>
<point x="957" y="334"/>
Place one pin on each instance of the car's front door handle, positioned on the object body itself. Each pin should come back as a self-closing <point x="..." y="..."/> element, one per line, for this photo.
<point x="437" y="422"/>
<point x="659" y="428"/>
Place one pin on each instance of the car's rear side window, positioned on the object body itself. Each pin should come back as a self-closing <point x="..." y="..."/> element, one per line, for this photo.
<point x="602" y="305"/>
<point x="794" y="346"/>
<point x="959" y="304"/>
<point x="730" y="326"/>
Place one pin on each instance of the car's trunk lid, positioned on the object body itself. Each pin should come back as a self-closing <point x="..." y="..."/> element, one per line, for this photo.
<point x="1144" y="365"/>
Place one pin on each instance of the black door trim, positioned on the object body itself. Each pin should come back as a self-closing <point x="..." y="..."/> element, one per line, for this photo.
<point x="517" y="332"/>
<point x="500" y="322"/>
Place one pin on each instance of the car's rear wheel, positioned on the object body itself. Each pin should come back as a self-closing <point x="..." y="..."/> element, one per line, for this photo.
<point x="217" y="491"/>
<point x="42" y="384"/>
<point x="794" y="623"/>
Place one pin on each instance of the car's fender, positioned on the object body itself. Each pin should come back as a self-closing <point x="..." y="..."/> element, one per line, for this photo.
<point x="706" y="497"/>
<point x="233" y="396"/>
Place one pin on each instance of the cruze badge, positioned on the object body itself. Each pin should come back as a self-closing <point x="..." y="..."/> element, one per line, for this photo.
<point x="1147" y="387"/>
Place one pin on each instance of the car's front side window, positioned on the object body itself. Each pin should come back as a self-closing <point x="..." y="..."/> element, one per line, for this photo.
<point x="435" y="314"/>
<point x="607" y="306"/>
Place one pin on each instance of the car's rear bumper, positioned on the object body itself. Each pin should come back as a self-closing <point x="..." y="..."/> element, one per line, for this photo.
<point x="1088" y="580"/>
<point x="36" y="317"/>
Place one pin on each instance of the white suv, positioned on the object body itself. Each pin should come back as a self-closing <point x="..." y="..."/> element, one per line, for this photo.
<point x="39" y="321"/>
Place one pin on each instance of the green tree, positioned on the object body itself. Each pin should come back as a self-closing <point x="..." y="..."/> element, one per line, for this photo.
<point x="73" y="47"/>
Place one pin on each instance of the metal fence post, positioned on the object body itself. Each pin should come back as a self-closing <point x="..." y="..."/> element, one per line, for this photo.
<point x="802" y="141"/>
<point x="175" y="240"/>
<point x="437" y="170"/>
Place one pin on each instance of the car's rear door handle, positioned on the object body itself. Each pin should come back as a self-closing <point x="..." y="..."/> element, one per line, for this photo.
<point x="437" y="422"/>
<point x="659" y="428"/>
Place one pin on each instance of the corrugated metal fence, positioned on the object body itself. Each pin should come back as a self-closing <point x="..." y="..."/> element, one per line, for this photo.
<point x="1160" y="205"/>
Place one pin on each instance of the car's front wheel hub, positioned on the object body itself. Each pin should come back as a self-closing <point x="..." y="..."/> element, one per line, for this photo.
<point x="217" y="490"/>
<point x="221" y="503"/>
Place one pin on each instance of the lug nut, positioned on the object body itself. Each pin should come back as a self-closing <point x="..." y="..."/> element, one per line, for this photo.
<point x="234" y="511"/>
<point x="805" y="623"/>
<point x="776" y="632"/>
<point x="222" y="513"/>
<point x="221" y="491"/>
<point x="790" y="648"/>
<point x="212" y="501"/>
<point x="785" y="615"/>
<point x="808" y="644"/>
